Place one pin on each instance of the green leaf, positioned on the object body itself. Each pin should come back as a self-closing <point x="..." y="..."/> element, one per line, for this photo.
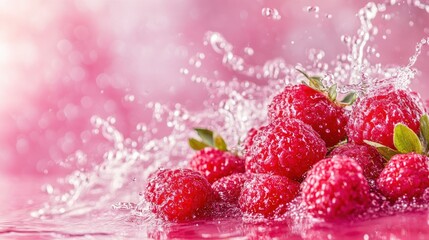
<point x="303" y="73"/>
<point x="424" y="130"/>
<point x="196" y="145"/>
<point x="332" y="92"/>
<point x="219" y="143"/>
<point x="406" y="140"/>
<point x="385" y="151"/>
<point x="337" y="145"/>
<point x="316" y="83"/>
<point x="205" y="135"/>
<point x="349" y="99"/>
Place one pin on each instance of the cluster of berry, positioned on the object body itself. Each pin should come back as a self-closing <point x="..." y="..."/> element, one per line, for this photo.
<point x="312" y="146"/>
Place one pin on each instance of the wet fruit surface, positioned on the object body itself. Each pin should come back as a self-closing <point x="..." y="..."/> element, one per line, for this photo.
<point x="336" y="188"/>
<point x="405" y="176"/>
<point x="286" y="147"/>
<point x="373" y="118"/>
<point x="313" y="108"/>
<point x="178" y="195"/>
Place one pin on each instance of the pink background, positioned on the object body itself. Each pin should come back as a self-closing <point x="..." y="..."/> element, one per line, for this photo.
<point x="63" y="61"/>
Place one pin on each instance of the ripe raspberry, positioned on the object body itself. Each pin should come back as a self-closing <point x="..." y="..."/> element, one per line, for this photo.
<point x="215" y="164"/>
<point x="177" y="195"/>
<point x="267" y="195"/>
<point x="248" y="141"/>
<point x="228" y="188"/>
<point x="313" y="108"/>
<point x="406" y="175"/>
<point x="374" y="117"/>
<point x="286" y="147"/>
<point x="336" y="188"/>
<point x="366" y="156"/>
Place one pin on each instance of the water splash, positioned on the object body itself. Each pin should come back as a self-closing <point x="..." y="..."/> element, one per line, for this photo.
<point x="235" y="107"/>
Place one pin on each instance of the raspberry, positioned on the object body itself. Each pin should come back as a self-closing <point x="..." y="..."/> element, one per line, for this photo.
<point x="313" y="108"/>
<point x="286" y="147"/>
<point x="366" y="156"/>
<point x="177" y="195"/>
<point x="405" y="176"/>
<point x="267" y="195"/>
<point x="374" y="117"/>
<point x="248" y="141"/>
<point x="228" y="188"/>
<point x="215" y="164"/>
<point x="336" y="188"/>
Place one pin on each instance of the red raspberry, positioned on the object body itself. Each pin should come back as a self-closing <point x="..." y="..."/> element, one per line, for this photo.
<point x="248" y="141"/>
<point x="179" y="194"/>
<point x="374" y="117"/>
<point x="286" y="147"/>
<point x="228" y="188"/>
<point x="406" y="175"/>
<point x="267" y="195"/>
<point x="336" y="188"/>
<point x="371" y="162"/>
<point x="313" y="108"/>
<point x="215" y="164"/>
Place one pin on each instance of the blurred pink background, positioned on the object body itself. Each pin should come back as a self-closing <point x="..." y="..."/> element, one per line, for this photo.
<point x="63" y="61"/>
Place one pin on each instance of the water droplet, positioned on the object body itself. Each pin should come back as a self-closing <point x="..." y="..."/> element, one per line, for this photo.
<point x="249" y="51"/>
<point x="129" y="98"/>
<point x="386" y="16"/>
<point x="346" y="39"/>
<point x="271" y="13"/>
<point x="111" y="120"/>
<point x="310" y="9"/>
<point x="315" y="55"/>
<point x="48" y="188"/>
<point x="184" y="71"/>
<point x="124" y="206"/>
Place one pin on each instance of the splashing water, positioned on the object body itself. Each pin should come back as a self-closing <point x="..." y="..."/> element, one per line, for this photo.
<point x="112" y="191"/>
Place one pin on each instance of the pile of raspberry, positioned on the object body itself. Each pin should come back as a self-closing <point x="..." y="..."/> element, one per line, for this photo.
<point x="332" y="156"/>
